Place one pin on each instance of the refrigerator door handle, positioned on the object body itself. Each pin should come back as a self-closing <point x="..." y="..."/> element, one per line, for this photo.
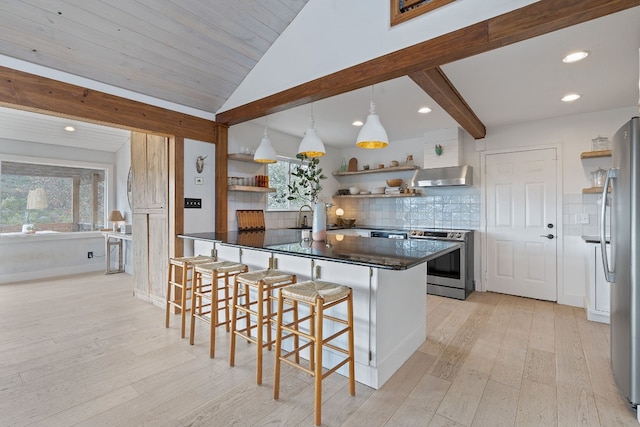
<point x="610" y="276"/>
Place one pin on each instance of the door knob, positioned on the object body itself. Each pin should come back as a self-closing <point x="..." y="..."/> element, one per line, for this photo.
<point x="548" y="236"/>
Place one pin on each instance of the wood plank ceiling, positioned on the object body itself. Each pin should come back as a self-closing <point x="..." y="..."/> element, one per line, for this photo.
<point x="190" y="52"/>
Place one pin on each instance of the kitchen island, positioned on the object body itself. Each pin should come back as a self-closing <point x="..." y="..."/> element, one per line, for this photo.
<point x="388" y="278"/>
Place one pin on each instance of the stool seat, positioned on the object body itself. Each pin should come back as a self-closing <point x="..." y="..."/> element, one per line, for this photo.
<point x="220" y="267"/>
<point x="178" y="289"/>
<point x="268" y="277"/>
<point x="192" y="259"/>
<point x="311" y="290"/>
<point x="206" y="301"/>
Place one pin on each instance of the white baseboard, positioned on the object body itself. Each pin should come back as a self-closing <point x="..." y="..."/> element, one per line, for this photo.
<point x="51" y="272"/>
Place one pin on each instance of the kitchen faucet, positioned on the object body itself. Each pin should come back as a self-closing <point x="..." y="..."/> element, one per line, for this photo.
<point x="303" y="222"/>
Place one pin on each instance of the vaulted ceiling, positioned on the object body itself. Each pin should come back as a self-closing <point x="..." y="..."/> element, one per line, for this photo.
<point x="189" y="52"/>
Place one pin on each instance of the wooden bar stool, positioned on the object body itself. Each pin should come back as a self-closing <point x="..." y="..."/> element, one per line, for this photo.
<point x="179" y="285"/>
<point x="206" y="301"/>
<point x="256" y="313"/>
<point x="319" y="296"/>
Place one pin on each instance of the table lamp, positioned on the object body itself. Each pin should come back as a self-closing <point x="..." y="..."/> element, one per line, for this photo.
<point x="36" y="200"/>
<point x="115" y="217"/>
<point x="339" y="213"/>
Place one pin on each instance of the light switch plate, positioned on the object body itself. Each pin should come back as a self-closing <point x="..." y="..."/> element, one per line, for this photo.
<point x="582" y="218"/>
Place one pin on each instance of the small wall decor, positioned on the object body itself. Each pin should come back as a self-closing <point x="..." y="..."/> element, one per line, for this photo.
<point x="200" y="163"/>
<point x="438" y="150"/>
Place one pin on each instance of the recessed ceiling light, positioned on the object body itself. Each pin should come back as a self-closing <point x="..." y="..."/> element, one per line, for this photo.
<point x="69" y="128"/>
<point x="424" y="110"/>
<point x="357" y="123"/>
<point x="575" y="57"/>
<point x="570" y="97"/>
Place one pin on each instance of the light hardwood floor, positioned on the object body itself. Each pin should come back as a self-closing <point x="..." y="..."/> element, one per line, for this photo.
<point x="82" y="351"/>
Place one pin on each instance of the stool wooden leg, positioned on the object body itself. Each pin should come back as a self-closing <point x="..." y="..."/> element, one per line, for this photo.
<point x="226" y="302"/>
<point x="196" y="286"/>
<point x="276" y="374"/>
<point x="168" y="295"/>
<point x="319" y="315"/>
<point x="352" y="352"/>
<point x="234" y="313"/>
<point x="312" y="332"/>
<point x="183" y="299"/>
<point x="214" y="314"/>
<point x="259" y="331"/>
<point x="296" y="337"/>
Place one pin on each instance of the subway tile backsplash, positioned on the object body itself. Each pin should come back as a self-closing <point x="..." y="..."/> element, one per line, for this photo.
<point x="575" y="205"/>
<point x="456" y="208"/>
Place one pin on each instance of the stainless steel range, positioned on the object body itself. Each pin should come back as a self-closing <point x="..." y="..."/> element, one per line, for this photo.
<point x="450" y="275"/>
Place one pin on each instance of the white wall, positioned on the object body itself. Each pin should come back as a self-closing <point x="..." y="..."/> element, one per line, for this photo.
<point x="351" y="40"/>
<point x="199" y="220"/>
<point x="573" y="134"/>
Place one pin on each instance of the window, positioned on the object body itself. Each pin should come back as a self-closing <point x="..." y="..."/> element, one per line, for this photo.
<point x="46" y="197"/>
<point x="279" y="178"/>
<point x="403" y="10"/>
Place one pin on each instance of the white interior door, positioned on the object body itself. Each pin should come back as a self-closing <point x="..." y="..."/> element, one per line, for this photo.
<point x="521" y="223"/>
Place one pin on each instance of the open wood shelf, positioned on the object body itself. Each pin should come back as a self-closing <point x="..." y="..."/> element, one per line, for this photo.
<point x="366" y="196"/>
<point x="250" y="189"/>
<point x="242" y="157"/>
<point x="595" y="154"/>
<point x="594" y="190"/>
<point x="389" y="169"/>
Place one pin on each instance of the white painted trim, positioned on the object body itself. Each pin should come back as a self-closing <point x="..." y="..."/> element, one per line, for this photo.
<point x="52" y="272"/>
<point x="561" y="298"/>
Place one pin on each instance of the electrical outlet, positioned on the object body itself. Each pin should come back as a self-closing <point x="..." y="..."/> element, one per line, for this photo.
<point x="582" y="218"/>
<point x="89" y="255"/>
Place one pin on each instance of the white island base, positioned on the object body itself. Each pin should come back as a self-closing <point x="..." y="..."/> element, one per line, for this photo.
<point x="390" y="306"/>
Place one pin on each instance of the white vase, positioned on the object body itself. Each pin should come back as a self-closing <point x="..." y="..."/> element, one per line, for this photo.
<point x="319" y="226"/>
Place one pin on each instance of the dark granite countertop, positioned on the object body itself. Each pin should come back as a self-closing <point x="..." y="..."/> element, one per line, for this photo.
<point x="392" y="254"/>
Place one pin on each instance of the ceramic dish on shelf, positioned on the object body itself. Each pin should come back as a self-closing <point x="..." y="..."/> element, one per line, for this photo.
<point x="364" y="193"/>
<point x="377" y="190"/>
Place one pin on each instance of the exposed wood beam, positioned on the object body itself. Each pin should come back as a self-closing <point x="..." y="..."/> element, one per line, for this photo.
<point x="222" y="150"/>
<point x="40" y="94"/>
<point x="436" y="84"/>
<point x="530" y="21"/>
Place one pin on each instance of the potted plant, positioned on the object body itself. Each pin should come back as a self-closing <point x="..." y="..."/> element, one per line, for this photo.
<point x="306" y="185"/>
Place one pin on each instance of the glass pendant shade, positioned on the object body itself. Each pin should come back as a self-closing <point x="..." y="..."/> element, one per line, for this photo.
<point x="372" y="134"/>
<point x="265" y="152"/>
<point x="311" y="145"/>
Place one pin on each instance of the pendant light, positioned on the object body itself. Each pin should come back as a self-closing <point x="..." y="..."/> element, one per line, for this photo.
<point x="311" y="145"/>
<point x="265" y="152"/>
<point x="372" y="134"/>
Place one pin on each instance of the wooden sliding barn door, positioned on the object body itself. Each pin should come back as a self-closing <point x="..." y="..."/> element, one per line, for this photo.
<point x="150" y="196"/>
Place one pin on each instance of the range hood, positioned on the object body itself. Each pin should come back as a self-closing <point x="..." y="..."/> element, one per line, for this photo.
<point x="442" y="177"/>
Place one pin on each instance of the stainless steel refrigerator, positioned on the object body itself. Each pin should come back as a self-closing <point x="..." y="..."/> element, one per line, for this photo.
<point x="623" y="272"/>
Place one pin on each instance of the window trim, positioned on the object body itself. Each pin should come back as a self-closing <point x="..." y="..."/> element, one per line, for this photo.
<point x="108" y="180"/>
<point x="397" y="17"/>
